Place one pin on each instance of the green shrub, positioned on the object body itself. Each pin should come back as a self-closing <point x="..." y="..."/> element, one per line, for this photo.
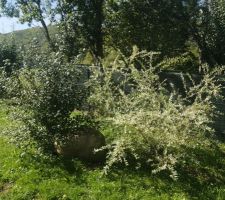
<point x="47" y="96"/>
<point x="9" y="62"/>
<point x="9" y="57"/>
<point x="152" y="127"/>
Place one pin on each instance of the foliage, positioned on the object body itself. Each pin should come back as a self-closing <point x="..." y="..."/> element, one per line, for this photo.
<point x="79" y="22"/>
<point x="206" y="26"/>
<point x="146" y="126"/>
<point x="2" y="83"/>
<point x="47" y="95"/>
<point x="215" y="31"/>
<point x="9" y="62"/>
<point x="186" y="62"/>
<point x="151" y="25"/>
<point x="9" y="57"/>
<point x="80" y="27"/>
<point x="157" y="25"/>
<point x="151" y="125"/>
<point x="34" y="54"/>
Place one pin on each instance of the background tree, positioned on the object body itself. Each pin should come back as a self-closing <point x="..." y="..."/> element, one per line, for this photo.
<point x="206" y="27"/>
<point x="155" y="25"/>
<point x="84" y="19"/>
<point x="35" y="10"/>
<point x="78" y="20"/>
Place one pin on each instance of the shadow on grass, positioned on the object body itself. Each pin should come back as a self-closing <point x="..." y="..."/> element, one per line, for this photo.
<point x="202" y="176"/>
<point x="204" y="173"/>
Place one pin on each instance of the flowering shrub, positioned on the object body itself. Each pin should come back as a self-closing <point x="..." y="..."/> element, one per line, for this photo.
<point x="152" y="126"/>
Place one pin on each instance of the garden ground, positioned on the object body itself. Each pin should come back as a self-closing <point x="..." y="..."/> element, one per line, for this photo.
<point x="26" y="176"/>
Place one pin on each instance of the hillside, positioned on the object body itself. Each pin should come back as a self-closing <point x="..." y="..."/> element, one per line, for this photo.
<point x="25" y="37"/>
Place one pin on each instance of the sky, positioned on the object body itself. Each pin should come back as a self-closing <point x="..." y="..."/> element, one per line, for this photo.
<point x="12" y="24"/>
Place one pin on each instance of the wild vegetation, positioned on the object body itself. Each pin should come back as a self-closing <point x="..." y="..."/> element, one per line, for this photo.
<point x="93" y="87"/>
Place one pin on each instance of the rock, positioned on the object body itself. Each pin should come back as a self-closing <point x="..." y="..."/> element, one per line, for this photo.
<point x="82" y="145"/>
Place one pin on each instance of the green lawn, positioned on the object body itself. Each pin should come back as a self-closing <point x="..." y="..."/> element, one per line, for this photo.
<point x="27" y="176"/>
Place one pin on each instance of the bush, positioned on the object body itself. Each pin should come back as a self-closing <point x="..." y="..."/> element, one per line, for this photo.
<point x="9" y="58"/>
<point x="47" y="96"/>
<point x="9" y="63"/>
<point x="152" y="127"/>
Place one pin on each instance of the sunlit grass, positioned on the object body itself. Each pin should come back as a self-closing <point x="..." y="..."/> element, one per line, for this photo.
<point x="26" y="175"/>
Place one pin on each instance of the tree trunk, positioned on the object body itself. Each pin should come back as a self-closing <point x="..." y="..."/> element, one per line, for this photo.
<point x="47" y="35"/>
<point x="45" y="27"/>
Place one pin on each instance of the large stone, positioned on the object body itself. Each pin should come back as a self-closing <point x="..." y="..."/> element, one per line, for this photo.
<point x="82" y="145"/>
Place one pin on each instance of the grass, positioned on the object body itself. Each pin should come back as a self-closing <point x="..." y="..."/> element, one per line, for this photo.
<point x="26" y="176"/>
